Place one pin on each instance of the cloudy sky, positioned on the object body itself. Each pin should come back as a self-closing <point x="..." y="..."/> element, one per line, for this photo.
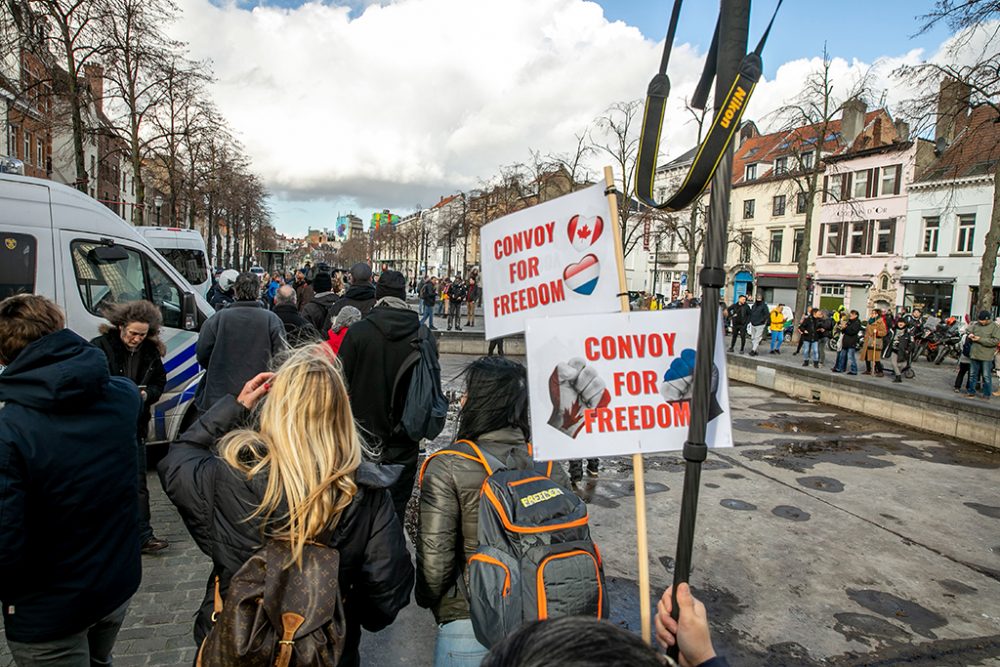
<point x="355" y="106"/>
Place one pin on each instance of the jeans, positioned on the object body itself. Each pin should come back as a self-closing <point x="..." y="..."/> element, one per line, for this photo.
<point x="811" y="351"/>
<point x="848" y="354"/>
<point x="776" y="339"/>
<point x="756" y="335"/>
<point x="427" y="316"/>
<point x="145" y="529"/>
<point x="88" y="648"/>
<point x="457" y="645"/>
<point x="981" y="370"/>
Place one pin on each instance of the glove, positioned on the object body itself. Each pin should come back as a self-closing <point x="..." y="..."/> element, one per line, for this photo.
<point x="679" y="378"/>
<point x="574" y="387"/>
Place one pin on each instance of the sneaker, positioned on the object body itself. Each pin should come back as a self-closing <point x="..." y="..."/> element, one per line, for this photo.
<point x="458" y="328"/>
<point x="449" y="328"/>
<point x="154" y="544"/>
<point x="897" y="378"/>
<point x="753" y="353"/>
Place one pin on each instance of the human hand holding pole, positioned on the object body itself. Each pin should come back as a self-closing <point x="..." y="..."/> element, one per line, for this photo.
<point x="689" y="632"/>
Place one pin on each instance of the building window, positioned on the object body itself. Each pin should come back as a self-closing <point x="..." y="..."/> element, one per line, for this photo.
<point x="746" y="242"/>
<point x="885" y="236"/>
<point x="861" y="184"/>
<point x="748" y="208"/>
<point x="883" y="282"/>
<point x="835" y="187"/>
<point x="857" y="240"/>
<point x="12" y="140"/>
<point x="966" y="233"/>
<point x="807" y="160"/>
<point x="800" y="236"/>
<point x="833" y="231"/>
<point x="832" y="290"/>
<point x="932" y="226"/>
<point x="751" y="171"/>
<point x="781" y="166"/>
<point x="27" y="148"/>
<point x="774" y="252"/>
<point x="778" y="206"/>
<point x="890" y="179"/>
<point x="801" y="202"/>
<point x="40" y="153"/>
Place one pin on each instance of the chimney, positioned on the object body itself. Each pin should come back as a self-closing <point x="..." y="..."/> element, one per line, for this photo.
<point x="748" y="131"/>
<point x="95" y="81"/>
<point x="877" y="132"/>
<point x="852" y="120"/>
<point x="952" y="104"/>
<point x="902" y="131"/>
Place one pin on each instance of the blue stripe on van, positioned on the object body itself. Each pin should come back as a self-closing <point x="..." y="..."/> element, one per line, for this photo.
<point x="181" y="377"/>
<point x="180" y="358"/>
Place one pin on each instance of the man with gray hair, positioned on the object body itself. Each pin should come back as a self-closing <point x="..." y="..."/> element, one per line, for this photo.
<point x="298" y="330"/>
<point x="237" y="343"/>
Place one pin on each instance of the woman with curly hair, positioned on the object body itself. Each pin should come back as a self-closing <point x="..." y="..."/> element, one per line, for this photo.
<point x="132" y="345"/>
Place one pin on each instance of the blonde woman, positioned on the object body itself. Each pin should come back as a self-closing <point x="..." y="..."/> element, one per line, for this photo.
<point x="298" y="474"/>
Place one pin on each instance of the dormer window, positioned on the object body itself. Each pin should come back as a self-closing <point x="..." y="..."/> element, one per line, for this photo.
<point x="781" y="166"/>
<point x="807" y="160"/>
<point x="751" y="171"/>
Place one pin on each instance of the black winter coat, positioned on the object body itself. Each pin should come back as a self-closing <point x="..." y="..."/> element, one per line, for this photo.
<point x="215" y="501"/>
<point x="824" y="327"/>
<point x="298" y="330"/>
<point x="361" y="297"/>
<point x="852" y="333"/>
<point x="149" y="370"/>
<point x="372" y="353"/>
<point x="69" y="532"/>
<point x="739" y="315"/>
<point x="317" y="311"/>
<point x="807" y="327"/>
<point x="760" y="314"/>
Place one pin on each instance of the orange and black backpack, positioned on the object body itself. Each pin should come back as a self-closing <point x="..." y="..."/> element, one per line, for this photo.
<point x="535" y="559"/>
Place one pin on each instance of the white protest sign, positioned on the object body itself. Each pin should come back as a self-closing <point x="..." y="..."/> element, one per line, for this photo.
<point x="556" y="258"/>
<point x="610" y="385"/>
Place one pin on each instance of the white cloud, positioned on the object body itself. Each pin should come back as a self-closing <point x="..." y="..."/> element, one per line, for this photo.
<point x="401" y="101"/>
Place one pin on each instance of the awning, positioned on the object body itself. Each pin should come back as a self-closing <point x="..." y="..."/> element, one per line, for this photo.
<point x="917" y="280"/>
<point x="777" y="282"/>
<point x="851" y="281"/>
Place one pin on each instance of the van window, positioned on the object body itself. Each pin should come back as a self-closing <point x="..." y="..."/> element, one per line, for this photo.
<point x="189" y="263"/>
<point x="131" y="279"/>
<point x="17" y="265"/>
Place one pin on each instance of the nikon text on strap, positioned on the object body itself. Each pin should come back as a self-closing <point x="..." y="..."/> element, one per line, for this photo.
<point x="725" y="122"/>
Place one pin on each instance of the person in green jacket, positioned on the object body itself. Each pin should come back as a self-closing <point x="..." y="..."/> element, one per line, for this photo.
<point x="985" y="336"/>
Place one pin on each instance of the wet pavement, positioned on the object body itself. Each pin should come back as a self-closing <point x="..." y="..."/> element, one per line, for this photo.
<point x="823" y="538"/>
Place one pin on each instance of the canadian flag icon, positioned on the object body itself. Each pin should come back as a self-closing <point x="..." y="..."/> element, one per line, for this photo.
<point x="584" y="232"/>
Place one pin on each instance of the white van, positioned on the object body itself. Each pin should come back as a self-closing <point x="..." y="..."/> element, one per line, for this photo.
<point x="60" y="243"/>
<point x="185" y="250"/>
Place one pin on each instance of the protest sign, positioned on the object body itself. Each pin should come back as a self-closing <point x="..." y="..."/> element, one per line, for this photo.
<point x="556" y="258"/>
<point x="616" y="384"/>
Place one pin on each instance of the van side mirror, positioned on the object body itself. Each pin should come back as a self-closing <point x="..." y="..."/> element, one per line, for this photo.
<point x="189" y="311"/>
<point x="107" y="254"/>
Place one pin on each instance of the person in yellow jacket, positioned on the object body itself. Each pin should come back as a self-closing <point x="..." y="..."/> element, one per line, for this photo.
<point x="777" y="328"/>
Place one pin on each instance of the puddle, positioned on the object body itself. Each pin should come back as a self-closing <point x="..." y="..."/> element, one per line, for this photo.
<point x="828" y="484"/>
<point x="733" y="504"/>
<point x="920" y="619"/>
<point x="791" y="513"/>
<point x="986" y="510"/>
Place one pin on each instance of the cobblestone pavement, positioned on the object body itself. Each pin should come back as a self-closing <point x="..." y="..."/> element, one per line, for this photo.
<point x="824" y="538"/>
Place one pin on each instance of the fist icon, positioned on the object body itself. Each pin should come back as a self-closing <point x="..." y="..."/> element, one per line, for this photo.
<point x="574" y="387"/>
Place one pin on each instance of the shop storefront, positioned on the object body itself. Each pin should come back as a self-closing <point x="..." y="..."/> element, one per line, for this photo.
<point x="931" y="295"/>
<point x="778" y="287"/>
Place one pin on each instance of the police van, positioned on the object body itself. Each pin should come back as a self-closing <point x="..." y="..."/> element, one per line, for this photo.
<point x="60" y="243"/>
<point x="185" y="250"/>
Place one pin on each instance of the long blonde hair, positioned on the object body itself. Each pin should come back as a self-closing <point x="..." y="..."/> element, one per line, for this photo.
<point x="307" y="444"/>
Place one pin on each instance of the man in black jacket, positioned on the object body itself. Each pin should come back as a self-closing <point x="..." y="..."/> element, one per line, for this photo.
<point x="69" y="534"/>
<point x="361" y="293"/>
<point x="458" y="292"/>
<point x="428" y="296"/>
<point x="739" y="317"/>
<point x="372" y="353"/>
<point x="236" y="343"/>
<point x="298" y="330"/>
<point x="760" y="317"/>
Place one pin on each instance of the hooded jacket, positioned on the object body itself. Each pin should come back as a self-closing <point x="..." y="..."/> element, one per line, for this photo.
<point x="69" y="533"/>
<point x="361" y="297"/>
<point x="449" y="519"/>
<point x="317" y="311"/>
<point x="989" y="337"/>
<point x="372" y="353"/>
<point x="759" y="314"/>
<point x="234" y="345"/>
<point x="149" y="369"/>
<point x="215" y="501"/>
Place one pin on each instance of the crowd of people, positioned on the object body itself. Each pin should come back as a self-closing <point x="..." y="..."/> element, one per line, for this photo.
<point x="296" y="442"/>
<point x="884" y="340"/>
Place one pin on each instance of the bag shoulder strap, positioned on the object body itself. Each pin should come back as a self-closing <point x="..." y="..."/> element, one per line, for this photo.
<point x="472" y="452"/>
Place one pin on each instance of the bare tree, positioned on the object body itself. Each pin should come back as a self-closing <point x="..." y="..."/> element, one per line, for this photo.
<point x="574" y="162"/>
<point x="618" y="138"/>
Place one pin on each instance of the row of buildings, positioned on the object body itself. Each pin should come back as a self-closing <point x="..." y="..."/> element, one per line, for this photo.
<point x="896" y="220"/>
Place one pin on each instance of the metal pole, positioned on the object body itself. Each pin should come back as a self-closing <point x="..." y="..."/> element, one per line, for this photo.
<point x="735" y="20"/>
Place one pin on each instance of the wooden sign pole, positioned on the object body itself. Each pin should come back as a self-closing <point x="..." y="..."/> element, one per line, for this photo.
<point x="642" y="544"/>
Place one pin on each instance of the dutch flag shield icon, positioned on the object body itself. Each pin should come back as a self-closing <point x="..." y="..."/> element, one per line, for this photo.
<point x="582" y="277"/>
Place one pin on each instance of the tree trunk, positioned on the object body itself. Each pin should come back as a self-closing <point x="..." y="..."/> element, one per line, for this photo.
<point x="692" y="245"/>
<point x="76" y="114"/>
<point x="988" y="267"/>
<point x="802" y="280"/>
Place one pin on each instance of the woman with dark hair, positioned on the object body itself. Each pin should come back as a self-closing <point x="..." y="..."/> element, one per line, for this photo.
<point x="132" y="344"/>
<point x="494" y="417"/>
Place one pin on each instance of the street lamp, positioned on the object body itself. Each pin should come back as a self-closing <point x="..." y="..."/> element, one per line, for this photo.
<point x="158" y="203"/>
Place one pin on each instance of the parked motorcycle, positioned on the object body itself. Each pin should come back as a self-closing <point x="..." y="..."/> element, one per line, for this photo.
<point x="951" y="347"/>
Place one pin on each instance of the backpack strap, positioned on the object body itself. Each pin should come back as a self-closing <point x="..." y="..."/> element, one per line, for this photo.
<point x="489" y="462"/>
<point x="411" y="360"/>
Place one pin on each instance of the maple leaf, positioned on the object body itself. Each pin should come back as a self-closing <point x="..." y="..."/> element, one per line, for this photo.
<point x="583" y="232"/>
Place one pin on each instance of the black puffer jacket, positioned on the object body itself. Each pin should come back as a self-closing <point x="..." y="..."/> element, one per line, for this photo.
<point x="449" y="519"/>
<point x="361" y="297"/>
<point x="69" y="535"/>
<point x="148" y="369"/>
<point x="215" y="501"/>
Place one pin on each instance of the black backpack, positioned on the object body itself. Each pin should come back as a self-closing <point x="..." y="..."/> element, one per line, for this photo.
<point x="419" y="411"/>
<point x="535" y="559"/>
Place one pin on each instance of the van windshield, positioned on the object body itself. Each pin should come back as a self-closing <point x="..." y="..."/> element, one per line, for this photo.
<point x="191" y="263"/>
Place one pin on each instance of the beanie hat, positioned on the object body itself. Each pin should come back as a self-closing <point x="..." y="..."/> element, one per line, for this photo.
<point x="984" y="315"/>
<point x="391" y="283"/>
<point x="322" y="283"/>
<point x="360" y="273"/>
<point x="347" y="316"/>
